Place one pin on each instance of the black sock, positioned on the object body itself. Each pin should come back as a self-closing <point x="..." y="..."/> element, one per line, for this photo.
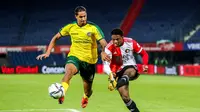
<point x="132" y="106"/>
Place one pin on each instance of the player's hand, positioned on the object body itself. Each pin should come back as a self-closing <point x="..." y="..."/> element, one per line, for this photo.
<point x="145" y="68"/>
<point x="105" y="57"/>
<point x="41" y="56"/>
<point x="112" y="82"/>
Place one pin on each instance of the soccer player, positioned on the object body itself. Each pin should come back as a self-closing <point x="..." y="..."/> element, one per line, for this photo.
<point x="122" y="68"/>
<point x="83" y="51"/>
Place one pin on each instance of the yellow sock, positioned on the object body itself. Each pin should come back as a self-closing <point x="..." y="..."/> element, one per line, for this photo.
<point x="85" y="96"/>
<point x="65" y="86"/>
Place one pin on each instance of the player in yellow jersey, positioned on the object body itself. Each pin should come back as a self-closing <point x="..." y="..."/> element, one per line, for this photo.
<point x="83" y="51"/>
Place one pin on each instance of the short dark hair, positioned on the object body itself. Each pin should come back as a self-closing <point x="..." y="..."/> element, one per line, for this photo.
<point x="79" y="9"/>
<point x="117" y="31"/>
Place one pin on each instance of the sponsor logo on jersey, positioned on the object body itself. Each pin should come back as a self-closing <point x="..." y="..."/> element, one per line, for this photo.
<point x="74" y="33"/>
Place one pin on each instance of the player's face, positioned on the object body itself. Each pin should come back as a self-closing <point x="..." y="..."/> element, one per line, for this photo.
<point x="117" y="40"/>
<point x="81" y="18"/>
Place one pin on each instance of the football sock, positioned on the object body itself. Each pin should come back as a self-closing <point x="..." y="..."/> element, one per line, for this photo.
<point x="65" y="86"/>
<point x="85" y="96"/>
<point x="132" y="106"/>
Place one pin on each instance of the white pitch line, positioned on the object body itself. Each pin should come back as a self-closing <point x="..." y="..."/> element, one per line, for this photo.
<point x="42" y="110"/>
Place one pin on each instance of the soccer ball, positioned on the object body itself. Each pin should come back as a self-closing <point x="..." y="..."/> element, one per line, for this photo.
<point x="56" y="90"/>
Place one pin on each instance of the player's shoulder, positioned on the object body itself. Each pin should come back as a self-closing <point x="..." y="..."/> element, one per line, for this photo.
<point x="110" y="45"/>
<point x="92" y="24"/>
<point x="128" y="39"/>
<point x="95" y="28"/>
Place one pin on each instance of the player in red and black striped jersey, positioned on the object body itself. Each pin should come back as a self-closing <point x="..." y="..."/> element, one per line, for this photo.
<point x="123" y="68"/>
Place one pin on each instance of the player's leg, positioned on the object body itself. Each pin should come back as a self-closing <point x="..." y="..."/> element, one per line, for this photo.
<point x="124" y="93"/>
<point x="87" y="88"/>
<point x="87" y="93"/>
<point x="128" y="73"/>
<point x="87" y="72"/>
<point x="131" y="72"/>
<point x="71" y="68"/>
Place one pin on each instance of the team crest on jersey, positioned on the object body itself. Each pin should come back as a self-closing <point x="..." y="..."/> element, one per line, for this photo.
<point x="89" y="34"/>
<point x="127" y="50"/>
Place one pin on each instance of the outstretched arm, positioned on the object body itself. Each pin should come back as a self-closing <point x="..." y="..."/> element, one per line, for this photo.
<point x="50" y="47"/>
<point x="145" y="57"/>
<point x="64" y="31"/>
<point x="53" y="42"/>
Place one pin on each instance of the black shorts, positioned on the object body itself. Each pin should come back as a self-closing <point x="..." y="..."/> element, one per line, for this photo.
<point x="121" y="73"/>
<point x="87" y="71"/>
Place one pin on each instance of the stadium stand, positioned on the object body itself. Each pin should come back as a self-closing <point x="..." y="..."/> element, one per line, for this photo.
<point x="166" y="20"/>
<point x="29" y="58"/>
<point x="34" y="22"/>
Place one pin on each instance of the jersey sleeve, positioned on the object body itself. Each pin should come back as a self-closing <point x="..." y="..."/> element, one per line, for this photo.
<point x="106" y="65"/>
<point x="98" y="33"/>
<point x="64" y="31"/>
<point x="136" y="47"/>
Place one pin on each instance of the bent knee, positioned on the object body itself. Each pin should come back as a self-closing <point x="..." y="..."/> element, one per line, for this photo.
<point x="70" y="69"/>
<point x="130" y="72"/>
<point x="133" y="75"/>
<point x="124" y="80"/>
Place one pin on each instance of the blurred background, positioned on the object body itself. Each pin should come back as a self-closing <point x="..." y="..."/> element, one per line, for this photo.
<point x="169" y="30"/>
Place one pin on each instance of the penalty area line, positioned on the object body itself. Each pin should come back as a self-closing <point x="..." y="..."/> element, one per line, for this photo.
<point x="40" y="110"/>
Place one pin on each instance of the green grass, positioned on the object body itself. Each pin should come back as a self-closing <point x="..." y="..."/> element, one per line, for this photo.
<point x="151" y="93"/>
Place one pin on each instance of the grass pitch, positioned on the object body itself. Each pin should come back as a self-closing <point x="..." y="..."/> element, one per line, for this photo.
<point x="29" y="93"/>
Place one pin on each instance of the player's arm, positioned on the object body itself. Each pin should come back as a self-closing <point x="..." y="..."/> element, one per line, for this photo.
<point x="53" y="43"/>
<point x="145" y="57"/>
<point x="99" y="35"/>
<point x="63" y="32"/>
<point x="50" y="47"/>
<point x="104" y="56"/>
<point x="103" y="44"/>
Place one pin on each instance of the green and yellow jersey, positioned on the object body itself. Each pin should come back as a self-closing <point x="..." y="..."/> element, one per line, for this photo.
<point x="84" y="40"/>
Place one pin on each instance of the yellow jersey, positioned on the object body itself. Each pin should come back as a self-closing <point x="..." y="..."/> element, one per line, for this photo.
<point x="84" y="40"/>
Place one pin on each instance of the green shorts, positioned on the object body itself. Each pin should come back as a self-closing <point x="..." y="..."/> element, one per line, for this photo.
<point x="87" y="71"/>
